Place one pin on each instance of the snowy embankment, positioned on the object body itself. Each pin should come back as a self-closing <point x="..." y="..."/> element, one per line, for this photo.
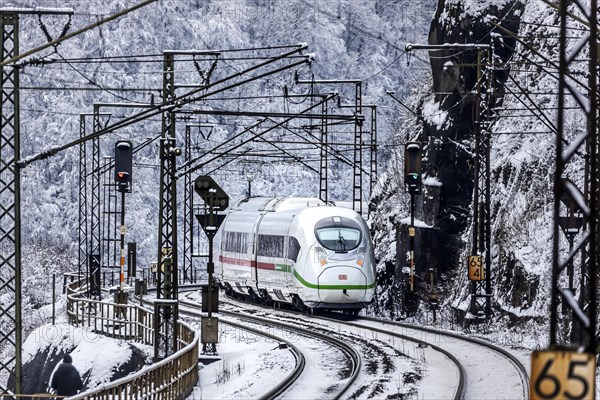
<point x="98" y="359"/>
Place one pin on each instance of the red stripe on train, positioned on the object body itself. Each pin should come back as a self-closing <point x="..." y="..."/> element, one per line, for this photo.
<point x="247" y="263"/>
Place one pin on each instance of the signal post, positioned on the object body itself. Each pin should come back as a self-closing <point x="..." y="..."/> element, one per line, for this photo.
<point x="412" y="183"/>
<point x="215" y="200"/>
<point x="123" y="171"/>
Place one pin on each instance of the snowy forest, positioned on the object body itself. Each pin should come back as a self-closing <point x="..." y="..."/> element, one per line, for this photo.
<point x="350" y="40"/>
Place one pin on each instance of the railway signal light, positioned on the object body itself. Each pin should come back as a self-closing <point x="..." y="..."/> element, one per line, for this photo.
<point x="412" y="167"/>
<point x="123" y="165"/>
<point x="170" y="150"/>
<point x="212" y="194"/>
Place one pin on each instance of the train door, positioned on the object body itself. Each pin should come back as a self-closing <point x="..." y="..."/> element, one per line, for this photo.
<point x="254" y="260"/>
<point x="289" y="258"/>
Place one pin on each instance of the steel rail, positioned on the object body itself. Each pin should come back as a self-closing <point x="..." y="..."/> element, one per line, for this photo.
<point x="460" y="392"/>
<point x="353" y="355"/>
<point x="283" y="385"/>
<point x="300" y="360"/>
<point x="460" y="389"/>
<point x="519" y="366"/>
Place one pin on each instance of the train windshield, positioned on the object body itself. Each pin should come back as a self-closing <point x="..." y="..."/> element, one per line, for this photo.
<point x="338" y="234"/>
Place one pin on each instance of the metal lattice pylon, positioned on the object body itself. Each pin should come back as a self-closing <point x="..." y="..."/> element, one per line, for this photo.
<point x="358" y="143"/>
<point x="167" y="222"/>
<point x="188" y="214"/>
<point x="10" y="249"/>
<point x="82" y="230"/>
<point x="94" y="233"/>
<point x="323" y="153"/>
<point x="110" y="213"/>
<point x="585" y="100"/>
<point x="373" y="149"/>
<point x="481" y="291"/>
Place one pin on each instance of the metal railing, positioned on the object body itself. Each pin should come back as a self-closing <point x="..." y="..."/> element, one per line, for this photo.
<point x="171" y="378"/>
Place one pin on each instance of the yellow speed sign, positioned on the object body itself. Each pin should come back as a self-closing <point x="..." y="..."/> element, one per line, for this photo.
<point x="562" y="374"/>
<point x="476" y="268"/>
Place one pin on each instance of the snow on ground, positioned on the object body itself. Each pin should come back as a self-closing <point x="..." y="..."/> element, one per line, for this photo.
<point x="95" y="354"/>
<point x="390" y="366"/>
<point x="489" y="375"/>
<point x="440" y="378"/>
<point x="247" y="366"/>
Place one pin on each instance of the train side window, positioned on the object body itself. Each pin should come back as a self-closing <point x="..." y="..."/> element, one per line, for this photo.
<point x="270" y="246"/>
<point x="293" y="248"/>
<point x="235" y="242"/>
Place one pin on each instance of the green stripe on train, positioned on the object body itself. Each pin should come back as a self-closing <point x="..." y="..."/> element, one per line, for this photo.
<point x="332" y="287"/>
<point x="282" y="268"/>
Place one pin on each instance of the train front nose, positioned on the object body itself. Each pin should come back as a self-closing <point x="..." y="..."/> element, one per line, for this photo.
<point x="342" y="284"/>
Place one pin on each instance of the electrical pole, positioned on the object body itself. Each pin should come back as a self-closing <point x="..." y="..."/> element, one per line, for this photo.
<point x="188" y="214"/>
<point x="568" y="370"/>
<point x="10" y="184"/>
<point x="95" y="256"/>
<point x="10" y="240"/>
<point x="358" y="139"/>
<point x="481" y="288"/>
<point x="372" y="148"/>
<point x="323" y="159"/>
<point x="82" y="229"/>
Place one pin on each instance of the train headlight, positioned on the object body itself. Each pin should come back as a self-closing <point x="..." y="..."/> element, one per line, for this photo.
<point x="323" y="260"/>
<point x="360" y="260"/>
<point x="321" y="256"/>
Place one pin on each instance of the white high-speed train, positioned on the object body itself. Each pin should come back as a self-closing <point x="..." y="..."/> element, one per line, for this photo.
<point x="297" y="250"/>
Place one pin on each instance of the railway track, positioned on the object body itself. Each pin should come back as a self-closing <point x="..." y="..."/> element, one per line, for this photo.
<point x="292" y="386"/>
<point x="294" y="383"/>
<point x="284" y="384"/>
<point x="379" y="355"/>
<point x="490" y="370"/>
<point x="486" y="370"/>
<point x="281" y="386"/>
<point x="373" y="342"/>
<point x="479" y="369"/>
<point x="509" y="359"/>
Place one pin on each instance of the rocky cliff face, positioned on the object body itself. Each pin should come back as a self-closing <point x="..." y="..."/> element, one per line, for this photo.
<point x="446" y="129"/>
<point x="523" y="158"/>
<point x="449" y="120"/>
<point x="491" y="23"/>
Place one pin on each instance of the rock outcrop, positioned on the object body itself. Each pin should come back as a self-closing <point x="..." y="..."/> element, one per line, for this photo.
<point x="449" y="123"/>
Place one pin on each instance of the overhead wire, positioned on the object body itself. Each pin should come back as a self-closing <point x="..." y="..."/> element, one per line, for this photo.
<point x="93" y="83"/>
<point x="99" y="87"/>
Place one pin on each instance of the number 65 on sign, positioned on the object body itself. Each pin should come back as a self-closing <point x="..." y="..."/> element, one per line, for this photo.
<point x="476" y="268"/>
<point x="562" y="374"/>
